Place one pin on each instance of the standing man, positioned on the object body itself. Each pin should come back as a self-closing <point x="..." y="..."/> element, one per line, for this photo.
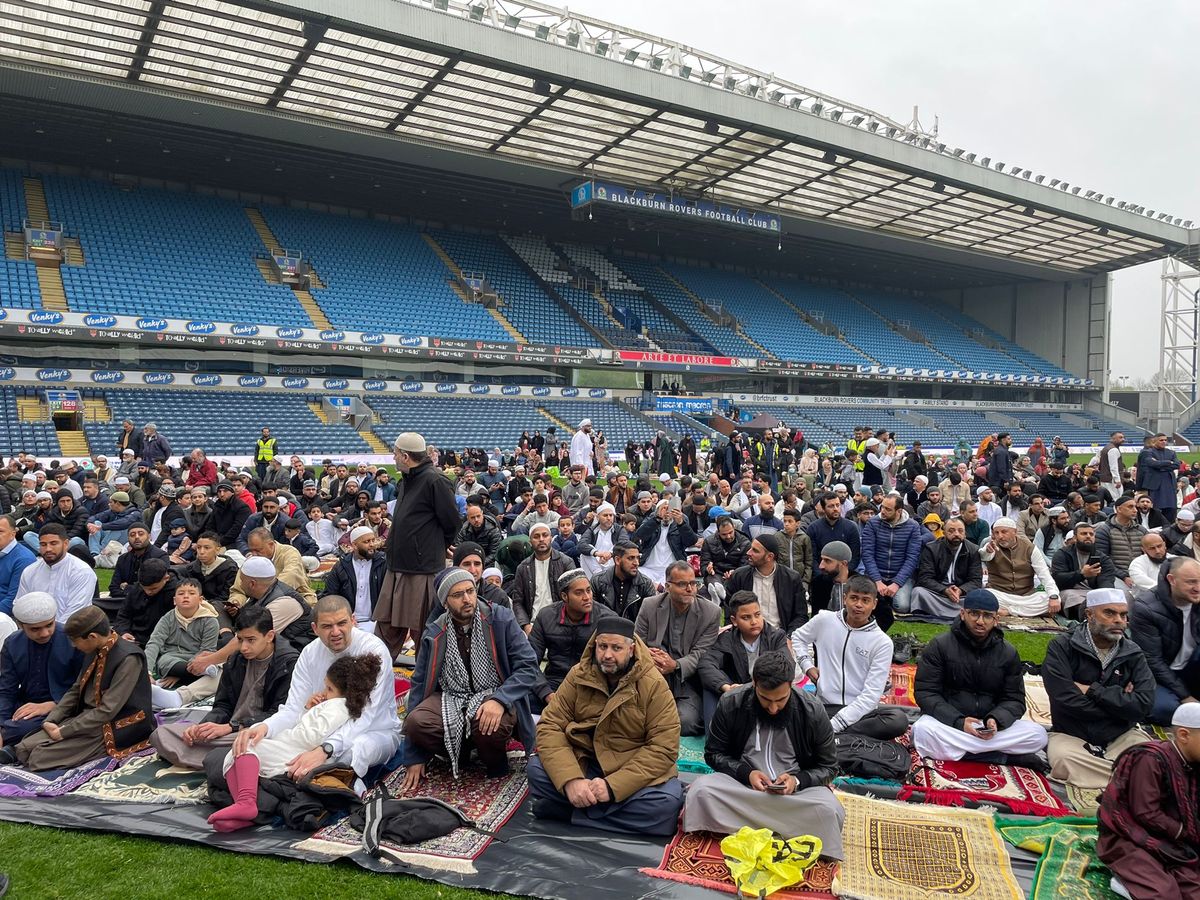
<point x="1000" y="467"/>
<point x="424" y="524"/>
<point x="1158" y="468"/>
<point x="581" y="448"/>
<point x="1111" y="467"/>
<point x="265" y="449"/>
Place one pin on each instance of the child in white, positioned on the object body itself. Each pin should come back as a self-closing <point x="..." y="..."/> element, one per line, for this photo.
<point x="348" y="686"/>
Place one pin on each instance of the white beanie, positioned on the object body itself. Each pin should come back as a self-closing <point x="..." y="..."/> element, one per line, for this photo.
<point x="258" y="567"/>
<point x="1004" y="522"/>
<point x="360" y="531"/>
<point x="34" y="608"/>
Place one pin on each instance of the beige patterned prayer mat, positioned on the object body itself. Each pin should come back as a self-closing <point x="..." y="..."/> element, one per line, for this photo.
<point x="897" y="851"/>
<point x="1037" y="701"/>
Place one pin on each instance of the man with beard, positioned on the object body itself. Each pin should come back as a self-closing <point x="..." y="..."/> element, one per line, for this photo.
<point x="623" y="587"/>
<point x="772" y="753"/>
<point x="970" y="688"/>
<point x="581" y="448"/>
<point x="62" y="575"/>
<point x="1100" y="686"/>
<point x="1145" y="570"/>
<point x="1053" y="536"/>
<point x="596" y="540"/>
<point x="563" y="629"/>
<point x="471" y="688"/>
<point x="948" y="570"/>
<point x="1166" y="625"/>
<point x="608" y="741"/>
<point x="1013" y="564"/>
<point x="358" y="576"/>
<point x="722" y="554"/>
<point x="1147" y="516"/>
<point x="1081" y="568"/>
<point x="533" y="586"/>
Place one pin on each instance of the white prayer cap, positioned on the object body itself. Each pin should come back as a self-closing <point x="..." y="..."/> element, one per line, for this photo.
<point x="1187" y="716"/>
<point x="489" y="572"/>
<point x="585" y="423"/>
<point x="921" y="478"/>
<point x="1004" y="522"/>
<point x="258" y="567"/>
<point x="538" y="527"/>
<point x="1056" y="510"/>
<point x="1070" y="535"/>
<point x="606" y="507"/>
<point x="665" y="476"/>
<point x="1105" y="596"/>
<point x="1186" y="514"/>
<point x="28" y="476"/>
<point x="34" y="608"/>
<point x="873" y="442"/>
<point x="45" y="495"/>
<point x="360" y="531"/>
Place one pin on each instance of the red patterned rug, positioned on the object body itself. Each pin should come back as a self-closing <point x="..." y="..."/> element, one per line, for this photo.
<point x="900" y="691"/>
<point x="489" y="802"/>
<point x="1023" y="792"/>
<point x="695" y="858"/>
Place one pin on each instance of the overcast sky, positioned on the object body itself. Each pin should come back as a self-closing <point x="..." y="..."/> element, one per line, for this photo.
<point x="1099" y="94"/>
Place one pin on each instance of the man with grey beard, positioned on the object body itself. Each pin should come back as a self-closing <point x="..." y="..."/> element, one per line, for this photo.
<point x="1100" y="686"/>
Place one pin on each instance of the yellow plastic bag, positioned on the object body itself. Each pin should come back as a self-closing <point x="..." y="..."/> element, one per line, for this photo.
<point x="762" y="864"/>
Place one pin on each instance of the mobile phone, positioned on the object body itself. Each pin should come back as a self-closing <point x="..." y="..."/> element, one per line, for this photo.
<point x="1093" y="560"/>
<point x="776" y="788"/>
<point x="675" y="504"/>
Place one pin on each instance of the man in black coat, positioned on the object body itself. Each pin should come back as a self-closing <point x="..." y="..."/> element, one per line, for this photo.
<point x="780" y="590"/>
<point x="187" y="743"/>
<point x="424" y="523"/>
<point x="478" y="529"/>
<point x="1096" y="705"/>
<point x="971" y="691"/>
<point x="622" y="587"/>
<point x="725" y="666"/>
<point x="537" y="576"/>
<point x="722" y="554"/>
<point x="146" y="602"/>
<point x="229" y="514"/>
<point x="345" y="580"/>
<point x="1158" y="625"/>
<point x="948" y="570"/>
<point x="562" y="630"/>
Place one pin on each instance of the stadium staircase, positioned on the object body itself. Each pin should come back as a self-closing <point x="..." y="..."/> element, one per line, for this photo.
<point x="562" y="426"/>
<point x="456" y="284"/>
<point x="910" y="335"/>
<point x="50" y="282"/>
<point x="307" y="301"/>
<point x="373" y="441"/>
<point x="32" y="409"/>
<point x="75" y="444"/>
<point x="319" y="411"/>
<point x="704" y="310"/>
<point x="96" y="409"/>
<point x="815" y="325"/>
<point x="14" y="245"/>
<point x="692" y="424"/>
<point x="664" y="424"/>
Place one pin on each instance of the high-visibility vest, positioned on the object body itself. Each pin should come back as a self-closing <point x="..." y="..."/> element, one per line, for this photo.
<point x="266" y="450"/>
<point x="860" y="447"/>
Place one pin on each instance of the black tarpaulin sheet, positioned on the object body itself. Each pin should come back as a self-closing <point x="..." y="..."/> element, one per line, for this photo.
<point x="531" y="858"/>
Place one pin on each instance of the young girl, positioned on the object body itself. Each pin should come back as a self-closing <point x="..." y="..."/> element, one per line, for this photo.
<point x="348" y="685"/>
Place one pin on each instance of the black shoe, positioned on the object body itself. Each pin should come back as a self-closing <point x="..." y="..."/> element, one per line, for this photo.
<point x="8" y="757"/>
<point x="902" y="645"/>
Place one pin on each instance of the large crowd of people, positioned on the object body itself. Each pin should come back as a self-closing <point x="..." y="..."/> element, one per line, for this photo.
<point x="597" y="606"/>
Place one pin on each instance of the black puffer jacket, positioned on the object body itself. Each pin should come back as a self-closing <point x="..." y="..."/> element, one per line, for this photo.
<point x="1106" y="711"/>
<point x="1157" y="626"/>
<point x="724" y="557"/>
<point x="959" y="677"/>
<point x="425" y="522"/>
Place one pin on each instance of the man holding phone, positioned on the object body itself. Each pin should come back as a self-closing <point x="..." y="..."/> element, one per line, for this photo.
<point x="663" y="537"/>
<point x="971" y="692"/>
<point x="1080" y="568"/>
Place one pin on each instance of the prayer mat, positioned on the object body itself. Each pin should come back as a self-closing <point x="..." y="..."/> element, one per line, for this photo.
<point x="488" y="802"/>
<point x="1038" y="623"/>
<point x="899" y="852"/>
<point x="695" y="857"/>
<point x="149" y="779"/>
<point x="1068" y="867"/>
<point x="16" y="782"/>
<point x="1037" y="701"/>
<point x="900" y="692"/>
<point x="691" y="755"/>
<point x="1085" y="801"/>
<point x="1016" y="789"/>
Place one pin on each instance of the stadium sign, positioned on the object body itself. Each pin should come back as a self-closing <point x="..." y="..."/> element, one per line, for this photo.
<point x="478" y="388"/>
<point x="207" y="380"/>
<point x="53" y="374"/>
<point x="447" y="387"/>
<point x="684" y="404"/>
<point x="148" y="324"/>
<point x="251" y="381"/>
<point x="108" y="376"/>
<point x="99" y="321"/>
<point x="597" y="393"/>
<point x="541" y="392"/>
<point x="656" y="202"/>
<point x="336" y="384"/>
<point x="295" y="383"/>
<point x="374" y="384"/>
<point x="201" y="327"/>
<point x="7" y="373"/>
<point x="412" y="387"/>
<point x="289" y="334"/>
<point x="158" y="378"/>
<point x="244" y="330"/>
<point x="510" y="390"/>
<point x="45" y="317"/>
<point x="372" y="338"/>
<point x="570" y="392"/>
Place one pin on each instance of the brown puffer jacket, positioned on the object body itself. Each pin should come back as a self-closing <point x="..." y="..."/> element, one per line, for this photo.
<point x="633" y="733"/>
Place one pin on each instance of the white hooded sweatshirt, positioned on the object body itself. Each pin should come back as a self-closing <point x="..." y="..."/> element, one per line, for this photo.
<point x="855" y="663"/>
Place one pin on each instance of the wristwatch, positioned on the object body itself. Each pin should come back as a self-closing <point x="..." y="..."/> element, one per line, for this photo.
<point x="328" y="748"/>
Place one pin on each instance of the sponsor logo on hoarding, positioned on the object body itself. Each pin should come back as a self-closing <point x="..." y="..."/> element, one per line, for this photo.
<point x="53" y="374"/>
<point x="375" y="384"/>
<point x="412" y="387"/>
<point x="251" y="381"/>
<point x="596" y="393"/>
<point x="99" y="321"/>
<point x="373" y="338"/>
<point x="510" y="390"/>
<point x="289" y="334"/>
<point x="244" y="330"/>
<point x="7" y="373"/>
<point x="45" y="317"/>
<point x="481" y="388"/>
<point x="208" y="380"/>
<point x="336" y="384"/>
<point x="407" y="341"/>
<point x="447" y="387"/>
<point x="201" y="327"/>
<point x="295" y="382"/>
<point x="108" y="377"/>
<point x="570" y="392"/>
<point x="147" y="324"/>
<point x="158" y="378"/>
<point x="333" y="335"/>
<point x="541" y="392"/>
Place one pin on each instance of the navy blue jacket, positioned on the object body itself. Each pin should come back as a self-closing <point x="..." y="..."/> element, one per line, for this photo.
<point x="891" y="553"/>
<point x="821" y="533"/>
<point x="515" y="662"/>
<point x="62" y="668"/>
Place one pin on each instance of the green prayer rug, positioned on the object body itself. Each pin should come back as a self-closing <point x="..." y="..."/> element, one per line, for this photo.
<point x="691" y="755"/>
<point x="1068" y="869"/>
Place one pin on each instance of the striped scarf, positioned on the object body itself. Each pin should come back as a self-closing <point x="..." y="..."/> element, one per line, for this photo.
<point x="462" y="692"/>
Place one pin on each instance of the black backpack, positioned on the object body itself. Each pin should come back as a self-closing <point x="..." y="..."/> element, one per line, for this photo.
<point x="408" y="821"/>
<point x="865" y="757"/>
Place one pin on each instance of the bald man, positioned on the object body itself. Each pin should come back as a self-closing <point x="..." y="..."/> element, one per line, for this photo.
<point x="1145" y="570"/>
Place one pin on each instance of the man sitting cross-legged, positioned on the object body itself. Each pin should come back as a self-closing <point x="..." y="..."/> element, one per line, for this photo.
<point x="849" y="657"/>
<point x="107" y="711"/>
<point x="364" y="742"/>
<point x="772" y="754"/>
<point x="1014" y="568"/>
<point x="608" y="741"/>
<point x="38" y="665"/>
<point x="727" y="664"/>
<point x="475" y="673"/>
<point x="970" y="688"/>
<point x="254" y="684"/>
<point x="1150" y="815"/>
<point x="1100" y="686"/>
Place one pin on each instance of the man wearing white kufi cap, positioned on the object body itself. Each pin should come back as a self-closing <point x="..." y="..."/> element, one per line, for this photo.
<point x="38" y="665"/>
<point x="597" y="541"/>
<point x="1100" y="686"/>
<point x="358" y="576"/>
<point x="1150" y="815"/>
<point x="582" y="452"/>
<point x="1015" y="568"/>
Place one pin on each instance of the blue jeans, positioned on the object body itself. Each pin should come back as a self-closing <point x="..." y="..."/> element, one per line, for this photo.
<point x="34" y="542"/>
<point x="1165" y="704"/>
<point x="97" y="541"/>
<point x="902" y="600"/>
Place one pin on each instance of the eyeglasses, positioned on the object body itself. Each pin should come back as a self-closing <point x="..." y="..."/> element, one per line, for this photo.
<point x="686" y="585"/>
<point x="982" y="614"/>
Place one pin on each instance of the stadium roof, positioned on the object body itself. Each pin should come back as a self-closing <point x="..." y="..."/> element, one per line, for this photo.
<point x="542" y="91"/>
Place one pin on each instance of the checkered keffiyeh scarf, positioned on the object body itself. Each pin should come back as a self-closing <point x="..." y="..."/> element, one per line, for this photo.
<point x="460" y="702"/>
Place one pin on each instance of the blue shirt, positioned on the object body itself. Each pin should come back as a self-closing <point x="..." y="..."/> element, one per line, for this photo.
<point x="13" y="560"/>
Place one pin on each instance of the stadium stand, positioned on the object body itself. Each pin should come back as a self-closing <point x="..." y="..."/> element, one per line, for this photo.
<point x="18" y="278"/>
<point x="161" y="253"/>
<point x="380" y="276"/>
<point x="19" y="433"/>
<point x="224" y="423"/>
<point x="457" y="422"/>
